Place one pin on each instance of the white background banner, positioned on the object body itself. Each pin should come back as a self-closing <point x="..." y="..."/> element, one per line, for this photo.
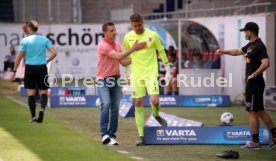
<point x="76" y="45"/>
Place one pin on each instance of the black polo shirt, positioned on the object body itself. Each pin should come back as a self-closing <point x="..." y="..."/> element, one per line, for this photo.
<point x="255" y="52"/>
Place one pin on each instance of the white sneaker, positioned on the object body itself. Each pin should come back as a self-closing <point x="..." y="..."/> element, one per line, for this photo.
<point x="105" y="139"/>
<point x="113" y="141"/>
<point x="251" y="145"/>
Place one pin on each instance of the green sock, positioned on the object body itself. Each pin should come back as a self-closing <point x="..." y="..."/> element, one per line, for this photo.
<point x="155" y="110"/>
<point x="139" y="118"/>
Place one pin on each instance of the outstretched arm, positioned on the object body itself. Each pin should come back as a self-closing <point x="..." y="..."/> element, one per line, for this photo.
<point x="234" y="52"/>
<point x="123" y="54"/>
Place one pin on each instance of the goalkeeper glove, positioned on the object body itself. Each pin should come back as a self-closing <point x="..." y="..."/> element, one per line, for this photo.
<point x="128" y="72"/>
<point x="168" y="75"/>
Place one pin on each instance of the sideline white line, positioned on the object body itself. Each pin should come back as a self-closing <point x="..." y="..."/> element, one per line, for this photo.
<point x="17" y="101"/>
<point x="123" y="151"/>
<point x="137" y="158"/>
<point x="128" y="153"/>
<point x="25" y="105"/>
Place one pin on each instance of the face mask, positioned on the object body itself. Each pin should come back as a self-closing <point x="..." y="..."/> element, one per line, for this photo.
<point x="247" y="36"/>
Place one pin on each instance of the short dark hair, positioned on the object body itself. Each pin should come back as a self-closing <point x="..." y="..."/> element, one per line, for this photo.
<point x="136" y="17"/>
<point x="32" y="26"/>
<point x="171" y="47"/>
<point x="105" y="25"/>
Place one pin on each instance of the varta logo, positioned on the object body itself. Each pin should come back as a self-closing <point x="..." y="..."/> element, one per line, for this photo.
<point x="176" y="133"/>
<point x="167" y="99"/>
<point x="238" y="133"/>
<point x="203" y="100"/>
<point x="74" y="99"/>
<point x="160" y="132"/>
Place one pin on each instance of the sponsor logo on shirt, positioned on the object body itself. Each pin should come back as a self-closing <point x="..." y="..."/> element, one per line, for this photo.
<point x="247" y="60"/>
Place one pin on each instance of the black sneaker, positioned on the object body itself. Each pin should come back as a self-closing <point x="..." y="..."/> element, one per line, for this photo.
<point x="230" y="154"/>
<point x="272" y="143"/>
<point x="140" y="141"/>
<point x="161" y="121"/>
<point x="33" y="120"/>
<point x="40" y="117"/>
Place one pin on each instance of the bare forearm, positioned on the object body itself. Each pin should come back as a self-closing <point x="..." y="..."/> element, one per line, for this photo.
<point x="51" y="57"/>
<point x="16" y="64"/>
<point x="233" y="52"/>
<point x="261" y="69"/>
<point x="53" y="54"/>
<point x="125" y="61"/>
<point x="17" y="61"/>
<point x="124" y="54"/>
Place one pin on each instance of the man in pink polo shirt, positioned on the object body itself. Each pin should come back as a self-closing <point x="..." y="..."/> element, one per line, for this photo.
<point x="109" y="56"/>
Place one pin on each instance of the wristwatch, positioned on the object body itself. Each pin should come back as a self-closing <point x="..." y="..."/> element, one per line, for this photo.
<point x="14" y="71"/>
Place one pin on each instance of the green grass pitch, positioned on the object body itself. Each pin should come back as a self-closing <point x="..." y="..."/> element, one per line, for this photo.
<point x="72" y="134"/>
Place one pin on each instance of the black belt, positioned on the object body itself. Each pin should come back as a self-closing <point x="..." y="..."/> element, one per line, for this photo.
<point x="115" y="77"/>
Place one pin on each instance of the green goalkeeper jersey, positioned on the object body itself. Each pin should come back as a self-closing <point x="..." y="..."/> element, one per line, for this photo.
<point x="144" y="62"/>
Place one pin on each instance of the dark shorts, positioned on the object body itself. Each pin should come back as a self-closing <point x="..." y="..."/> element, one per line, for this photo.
<point x="36" y="77"/>
<point x="254" y="91"/>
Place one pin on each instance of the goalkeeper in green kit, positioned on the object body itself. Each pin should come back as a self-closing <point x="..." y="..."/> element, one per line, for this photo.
<point x="144" y="71"/>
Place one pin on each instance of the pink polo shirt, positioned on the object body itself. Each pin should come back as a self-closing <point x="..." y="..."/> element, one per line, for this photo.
<point x="107" y="66"/>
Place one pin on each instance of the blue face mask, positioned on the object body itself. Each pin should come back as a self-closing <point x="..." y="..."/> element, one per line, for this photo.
<point x="247" y="37"/>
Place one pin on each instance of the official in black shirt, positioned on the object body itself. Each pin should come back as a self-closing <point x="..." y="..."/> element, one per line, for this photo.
<point x="257" y="62"/>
